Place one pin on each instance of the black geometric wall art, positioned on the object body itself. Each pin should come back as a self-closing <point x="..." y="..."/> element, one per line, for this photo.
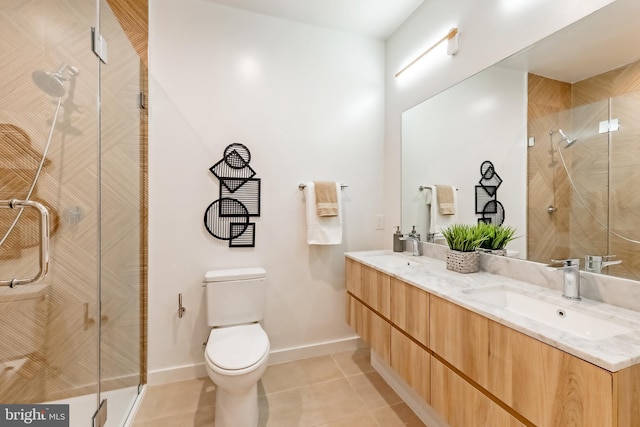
<point x="483" y="196"/>
<point x="221" y="214"/>
<point x="248" y="193"/>
<point x="493" y="213"/>
<point x="246" y="235"/>
<point x="490" y="179"/>
<point x="487" y="203"/>
<point x="228" y="217"/>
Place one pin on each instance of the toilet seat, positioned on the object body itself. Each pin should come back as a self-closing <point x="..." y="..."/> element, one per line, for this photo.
<point x="236" y="348"/>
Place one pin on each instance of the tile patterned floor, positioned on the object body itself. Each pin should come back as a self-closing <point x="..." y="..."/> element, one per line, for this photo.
<point x="337" y="390"/>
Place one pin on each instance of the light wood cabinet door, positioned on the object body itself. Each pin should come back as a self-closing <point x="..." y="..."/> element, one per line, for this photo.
<point x="369" y="285"/>
<point x="463" y="405"/>
<point x="373" y="329"/>
<point x="353" y="274"/>
<point x="551" y="387"/>
<point x="410" y="310"/>
<point x="460" y="337"/>
<point x="627" y="386"/>
<point x="545" y="385"/>
<point x="412" y="363"/>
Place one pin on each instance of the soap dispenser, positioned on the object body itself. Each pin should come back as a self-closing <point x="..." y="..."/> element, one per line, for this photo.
<point x="398" y="245"/>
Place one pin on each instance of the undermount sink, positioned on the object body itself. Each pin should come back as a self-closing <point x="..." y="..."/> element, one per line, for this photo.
<point x="569" y="320"/>
<point x="391" y="260"/>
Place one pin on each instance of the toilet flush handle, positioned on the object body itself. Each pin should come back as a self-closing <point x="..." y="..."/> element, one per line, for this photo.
<point x="181" y="309"/>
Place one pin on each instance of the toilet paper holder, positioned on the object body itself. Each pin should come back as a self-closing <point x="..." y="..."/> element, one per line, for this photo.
<point x="181" y="309"/>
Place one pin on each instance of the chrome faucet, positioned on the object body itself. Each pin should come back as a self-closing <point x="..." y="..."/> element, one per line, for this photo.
<point x="414" y="238"/>
<point x="595" y="263"/>
<point x="571" y="268"/>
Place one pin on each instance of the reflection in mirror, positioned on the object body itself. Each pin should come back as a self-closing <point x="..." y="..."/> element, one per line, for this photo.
<point x="559" y="122"/>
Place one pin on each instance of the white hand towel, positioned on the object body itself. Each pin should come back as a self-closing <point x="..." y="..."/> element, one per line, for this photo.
<point x="322" y="230"/>
<point x="437" y="221"/>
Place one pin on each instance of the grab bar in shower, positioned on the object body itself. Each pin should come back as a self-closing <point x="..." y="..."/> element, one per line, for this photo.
<point x="44" y="239"/>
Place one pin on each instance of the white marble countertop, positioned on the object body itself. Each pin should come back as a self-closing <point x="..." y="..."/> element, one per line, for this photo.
<point x="612" y="353"/>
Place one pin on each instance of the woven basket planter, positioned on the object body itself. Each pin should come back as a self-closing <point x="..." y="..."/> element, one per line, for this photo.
<point x="463" y="262"/>
<point x="500" y="252"/>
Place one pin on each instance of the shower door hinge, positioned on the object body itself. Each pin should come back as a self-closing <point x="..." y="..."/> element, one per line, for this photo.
<point x="609" y="126"/>
<point x="99" y="45"/>
<point x="100" y="417"/>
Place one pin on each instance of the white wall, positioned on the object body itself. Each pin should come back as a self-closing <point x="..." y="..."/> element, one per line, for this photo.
<point x="309" y="104"/>
<point x="489" y="32"/>
<point x="446" y="138"/>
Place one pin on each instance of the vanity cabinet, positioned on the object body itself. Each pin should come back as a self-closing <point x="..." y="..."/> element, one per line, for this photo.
<point x="477" y="372"/>
<point x="398" y="331"/>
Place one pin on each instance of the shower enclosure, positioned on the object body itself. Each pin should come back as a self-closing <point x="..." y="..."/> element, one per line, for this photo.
<point x="582" y="183"/>
<point x="72" y="268"/>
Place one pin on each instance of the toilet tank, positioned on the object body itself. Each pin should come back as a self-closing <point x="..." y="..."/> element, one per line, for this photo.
<point x="23" y="320"/>
<point x="235" y="296"/>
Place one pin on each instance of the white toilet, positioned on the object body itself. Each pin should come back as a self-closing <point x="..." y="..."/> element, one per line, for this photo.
<point x="238" y="348"/>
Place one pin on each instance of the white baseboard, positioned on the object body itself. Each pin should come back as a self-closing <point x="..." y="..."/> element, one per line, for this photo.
<point x="413" y="400"/>
<point x="314" y="350"/>
<point x="180" y="373"/>
<point x="199" y="370"/>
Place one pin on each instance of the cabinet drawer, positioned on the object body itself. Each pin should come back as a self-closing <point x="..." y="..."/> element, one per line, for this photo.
<point x="463" y="405"/>
<point x="410" y="310"/>
<point x="369" y="285"/>
<point x="373" y="329"/>
<point x="412" y="363"/>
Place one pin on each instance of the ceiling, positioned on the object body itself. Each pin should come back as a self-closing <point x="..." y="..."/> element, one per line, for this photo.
<point x="372" y="18"/>
<point x="602" y="41"/>
<point x="586" y="48"/>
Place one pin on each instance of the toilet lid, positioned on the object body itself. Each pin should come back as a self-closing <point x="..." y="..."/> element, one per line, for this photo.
<point x="237" y="347"/>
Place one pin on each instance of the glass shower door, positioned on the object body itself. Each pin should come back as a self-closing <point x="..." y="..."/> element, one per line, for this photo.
<point x="121" y="219"/>
<point x="49" y="153"/>
<point x="70" y="141"/>
<point x="624" y="204"/>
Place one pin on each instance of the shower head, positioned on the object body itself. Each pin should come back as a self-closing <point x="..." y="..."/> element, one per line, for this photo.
<point x="565" y="138"/>
<point x="49" y="82"/>
<point x="52" y="82"/>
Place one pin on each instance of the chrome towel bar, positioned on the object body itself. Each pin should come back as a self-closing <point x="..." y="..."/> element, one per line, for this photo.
<point x="303" y="186"/>
<point x="44" y="239"/>
<point x="424" y="187"/>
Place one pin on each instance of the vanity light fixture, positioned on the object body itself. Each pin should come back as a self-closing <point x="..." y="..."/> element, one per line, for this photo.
<point x="452" y="48"/>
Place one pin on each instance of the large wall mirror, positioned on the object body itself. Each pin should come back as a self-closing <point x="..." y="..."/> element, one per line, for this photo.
<point x="560" y="124"/>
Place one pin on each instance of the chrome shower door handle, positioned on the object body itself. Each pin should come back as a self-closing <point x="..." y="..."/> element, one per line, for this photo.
<point x="44" y="239"/>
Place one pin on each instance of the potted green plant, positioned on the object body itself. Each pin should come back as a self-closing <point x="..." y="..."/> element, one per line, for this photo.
<point x="463" y="240"/>
<point x="497" y="238"/>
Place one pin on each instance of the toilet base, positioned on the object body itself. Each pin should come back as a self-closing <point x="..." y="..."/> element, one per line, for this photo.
<point x="238" y="408"/>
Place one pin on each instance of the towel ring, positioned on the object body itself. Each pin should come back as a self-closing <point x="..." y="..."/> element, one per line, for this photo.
<point x="303" y="186"/>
